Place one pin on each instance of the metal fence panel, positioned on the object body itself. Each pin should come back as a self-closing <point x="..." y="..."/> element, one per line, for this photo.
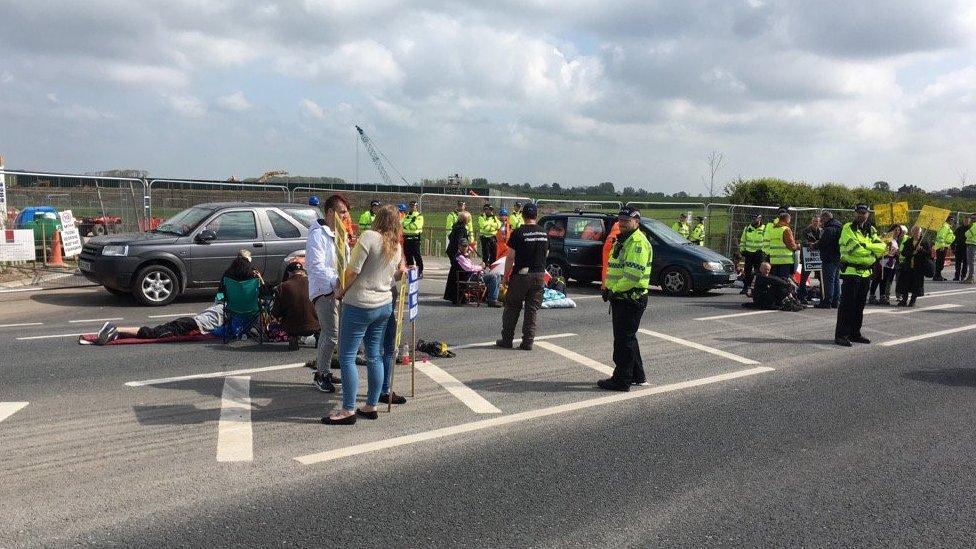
<point x="167" y="197"/>
<point x="436" y="207"/>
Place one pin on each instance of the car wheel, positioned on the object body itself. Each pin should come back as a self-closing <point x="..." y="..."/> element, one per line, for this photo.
<point x="99" y="230"/>
<point x="557" y="269"/>
<point x="156" y="285"/>
<point x="113" y="291"/>
<point x="675" y="281"/>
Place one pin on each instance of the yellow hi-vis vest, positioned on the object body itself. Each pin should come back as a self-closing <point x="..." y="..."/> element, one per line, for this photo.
<point x="366" y="221"/>
<point x="681" y="228"/>
<point x="971" y="235"/>
<point x="488" y="225"/>
<point x="752" y="239"/>
<point x="629" y="267"/>
<point x="515" y="220"/>
<point x="413" y="224"/>
<point x="452" y="218"/>
<point x="859" y="251"/>
<point x="945" y="237"/>
<point x="779" y="254"/>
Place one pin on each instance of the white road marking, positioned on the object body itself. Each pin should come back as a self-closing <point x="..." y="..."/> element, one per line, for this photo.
<point x="76" y="334"/>
<point x="20" y="290"/>
<point x="8" y="409"/>
<point x="574" y="298"/>
<point x="520" y="417"/>
<point x="905" y="311"/>
<point x="733" y="315"/>
<point x="514" y="341"/>
<point x="928" y="335"/>
<point x="21" y="324"/>
<point x="173" y="315"/>
<point x="948" y="293"/>
<point x="575" y="357"/>
<point x="95" y="320"/>
<point x="234" y="437"/>
<point x="462" y="392"/>
<point x="699" y="346"/>
<point x="160" y="381"/>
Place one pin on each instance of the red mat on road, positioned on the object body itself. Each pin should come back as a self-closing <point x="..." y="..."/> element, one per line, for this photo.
<point x="89" y="339"/>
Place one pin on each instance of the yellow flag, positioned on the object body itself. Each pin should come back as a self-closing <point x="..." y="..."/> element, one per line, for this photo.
<point x="341" y="244"/>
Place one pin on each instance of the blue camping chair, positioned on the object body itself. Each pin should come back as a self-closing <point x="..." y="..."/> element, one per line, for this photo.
<point x="242" y="308"/>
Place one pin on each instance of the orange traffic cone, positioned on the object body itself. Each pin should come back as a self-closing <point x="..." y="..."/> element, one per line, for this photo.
<point x="57" y="259"/>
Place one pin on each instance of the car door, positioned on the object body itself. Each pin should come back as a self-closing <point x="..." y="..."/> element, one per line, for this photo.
<point x="234" y="230"/>
<point x="282" y="236"/>
<point x="584" y="244"/>
<point x="555" y="228"/>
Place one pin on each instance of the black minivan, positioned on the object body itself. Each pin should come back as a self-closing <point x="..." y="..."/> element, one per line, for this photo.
<point x="679" y="267"/>
<point x="194" y="247"/>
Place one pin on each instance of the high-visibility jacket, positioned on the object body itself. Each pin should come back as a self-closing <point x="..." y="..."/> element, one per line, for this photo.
<point x="629" y="269"/>
<point x="516" y="220"/>
<point x="452" y="219"/>
<point x="501" y="238"/>
<point x="752" y="239"/>
<point x="413" y="224"/>
<point x="488" y="225"/>
<point x="859" y="251"/>
<point x="366" y="221"/>
<point x="971" y="235"/>
<point x="945" y="237"/>
<point x="607" y="248"/>
<point x="681" y="228"/>
<point x="778" y="253"/>
<point x="697" y="234"/>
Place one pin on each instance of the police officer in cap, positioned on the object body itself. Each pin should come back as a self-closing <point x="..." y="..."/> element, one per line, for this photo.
<point x="628" y="278"/>
<point x="751" y="248"/>
<point x="860" y="247"/>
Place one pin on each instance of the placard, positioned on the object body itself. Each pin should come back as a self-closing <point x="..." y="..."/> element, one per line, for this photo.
<point x="70" y="237"/>
<point x="17" y="245"/>
<point x="413" y="293"/>
<point x="3" y="197"/>
<point x="886" y="215"/>
<point x="811" y="259"/>
<point x="932" y="218"/>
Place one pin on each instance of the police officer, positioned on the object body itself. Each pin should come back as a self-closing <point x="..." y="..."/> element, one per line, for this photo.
<point x="943" y="240"/>
<point x="413" y="227"/>
<point x="751" y="248"/>
<point x="779" y="244"/>
<point x="452" y="218"/>
<point x="681" y="226"/>
<point x="628" y="277"/>
<point x="515" y="219"/>
<point x="860" y="247"/>
<point x="488" y="225"/>
<point x="697" y="235"/>
<point x="366" y="220"/>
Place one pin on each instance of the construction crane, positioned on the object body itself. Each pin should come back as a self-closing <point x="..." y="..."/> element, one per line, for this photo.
<point x="375" y="156"/>
<point x="268" y="175"/>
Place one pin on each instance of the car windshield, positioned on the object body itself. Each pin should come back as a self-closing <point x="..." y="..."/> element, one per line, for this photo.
<point x="304" y="214"/>
<point x="664" y="233"/>
<point x="184" y="222"/>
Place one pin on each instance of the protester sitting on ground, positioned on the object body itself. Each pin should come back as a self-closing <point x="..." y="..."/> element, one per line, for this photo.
<point x="772" y="292"/>
<point x="916" y="255"/>
<point x="458" y="242"/>
<point x="490" y="279"/>
<point x="293" y="307"/>
<point x="204" y="323"/>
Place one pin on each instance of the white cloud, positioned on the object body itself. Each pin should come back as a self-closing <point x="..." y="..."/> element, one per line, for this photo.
<point x="52" y="98"/>
<point x="186" y="105"/>
<point x="313" y="109"/>
<point x="234" y="102"/>
<point x="150" y="76"/>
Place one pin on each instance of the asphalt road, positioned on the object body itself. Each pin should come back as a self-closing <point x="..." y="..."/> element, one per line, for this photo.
<point x="755" y="431"/>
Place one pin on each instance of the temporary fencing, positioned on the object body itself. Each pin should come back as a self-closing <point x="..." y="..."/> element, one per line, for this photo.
<point x="553" y="205"/>
<point x="437" y="206"/>
<point x="167" y="197"/>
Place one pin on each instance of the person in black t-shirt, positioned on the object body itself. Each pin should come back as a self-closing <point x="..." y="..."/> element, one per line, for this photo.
<point x="525" y="270"/>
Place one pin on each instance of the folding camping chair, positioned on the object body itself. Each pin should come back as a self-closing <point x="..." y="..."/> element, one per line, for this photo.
<point x="470" y="289"/>
<point x="242" y="300"/>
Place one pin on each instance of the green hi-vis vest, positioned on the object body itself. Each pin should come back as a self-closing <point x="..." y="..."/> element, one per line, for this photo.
<point x="681" y="228"/>
<point x="945" y="237"/>
<point x="859" y="251"/>
<point x="366" y="221"/>
<point x="752" y="239"/>
<point x="971" y="235"/>
<point x="488" y="225"/>
<point x="452" y="218"/>
<point x="515" y="220"/>
<point x="779" y="254"/>
<point x="698" y="235"/>
<point x="629" y="266"/>
<point x="413" y="224"/>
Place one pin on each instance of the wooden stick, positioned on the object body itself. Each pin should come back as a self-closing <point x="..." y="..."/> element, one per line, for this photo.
<point x="401" y="300"/>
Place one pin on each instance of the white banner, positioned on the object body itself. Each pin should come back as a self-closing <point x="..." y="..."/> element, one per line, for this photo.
<point x="70" y="237"/>
<point x="17" y="245"/>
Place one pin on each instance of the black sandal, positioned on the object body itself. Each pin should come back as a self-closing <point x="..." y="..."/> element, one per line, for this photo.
<point x="348" y="420"/>
<point x="368" y="415"/>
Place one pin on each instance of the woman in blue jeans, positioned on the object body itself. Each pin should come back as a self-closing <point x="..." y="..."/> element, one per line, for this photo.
<point x="367" y="303"/>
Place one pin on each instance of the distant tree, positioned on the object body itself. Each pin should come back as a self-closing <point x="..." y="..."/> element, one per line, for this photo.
<point x="138" y="174"/>
<point x="969" y="191"/>
<point x="480" y="182"/>
<point x="910" y="189"/>
<point x="680" y="194"/>
<point x="882" y="186"/>
<point x="716" y="161"/>
<point x="556" y="187"/>
<point x="629" y="191"/>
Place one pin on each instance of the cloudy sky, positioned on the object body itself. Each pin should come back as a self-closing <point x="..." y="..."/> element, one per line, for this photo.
<point x="574" y="91"/>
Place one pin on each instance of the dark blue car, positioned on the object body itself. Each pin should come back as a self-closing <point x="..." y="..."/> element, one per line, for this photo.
<point x="679" y="268"/>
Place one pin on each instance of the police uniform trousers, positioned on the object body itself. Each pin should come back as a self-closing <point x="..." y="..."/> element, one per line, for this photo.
<point x="489" y="249"/>
<point x="411" y="252"/>
<point x="850" y="313"/>
<point x="626" y="316"/>
<point x="751" y="261"/>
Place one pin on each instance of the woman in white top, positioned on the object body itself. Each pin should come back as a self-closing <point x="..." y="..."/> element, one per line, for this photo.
<point x="367" y="303"/>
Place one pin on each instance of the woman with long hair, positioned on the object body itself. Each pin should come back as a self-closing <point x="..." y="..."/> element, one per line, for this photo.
<point x="367" y="302"/>
<point x="458" y="243"/>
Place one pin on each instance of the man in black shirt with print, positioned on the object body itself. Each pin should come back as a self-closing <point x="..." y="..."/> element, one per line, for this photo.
<point x="525" y="271"/>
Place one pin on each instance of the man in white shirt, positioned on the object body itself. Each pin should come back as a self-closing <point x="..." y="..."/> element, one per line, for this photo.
<point x="323" y="282"/>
